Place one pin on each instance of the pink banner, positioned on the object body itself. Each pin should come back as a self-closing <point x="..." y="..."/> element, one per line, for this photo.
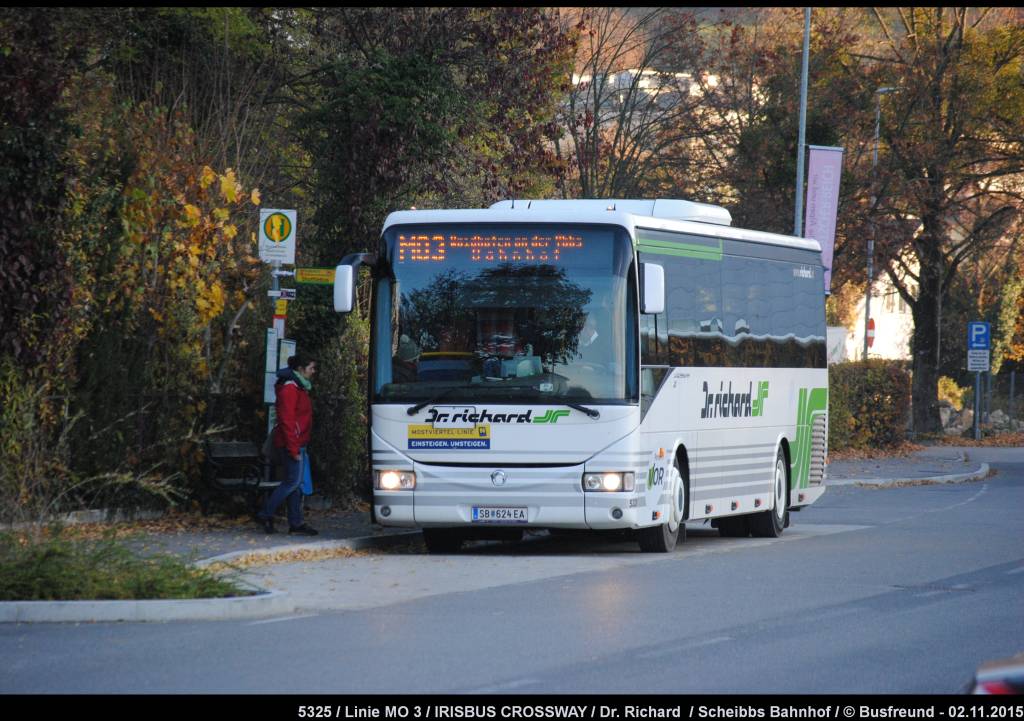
<point x="824" y="170"/>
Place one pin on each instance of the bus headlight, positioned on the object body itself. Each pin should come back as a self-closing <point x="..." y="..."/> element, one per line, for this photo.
<point x="395" y="481"/>
<point x="609" y="481"/>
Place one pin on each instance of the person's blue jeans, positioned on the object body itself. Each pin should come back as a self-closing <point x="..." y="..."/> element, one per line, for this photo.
<point x="290" y="488"/>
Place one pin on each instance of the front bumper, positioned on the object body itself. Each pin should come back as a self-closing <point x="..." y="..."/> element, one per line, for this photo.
<point x="553" y="498"/>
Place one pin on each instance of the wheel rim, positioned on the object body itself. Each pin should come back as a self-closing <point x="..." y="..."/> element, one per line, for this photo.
<point x="780" y="490"/>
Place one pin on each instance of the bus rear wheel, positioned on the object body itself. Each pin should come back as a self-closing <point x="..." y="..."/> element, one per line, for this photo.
<point x="770" y="523"/>
<point x="442" y="540"/>
<point x="663" y="538"/>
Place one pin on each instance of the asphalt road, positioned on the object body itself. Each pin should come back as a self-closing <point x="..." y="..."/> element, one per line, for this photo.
<point x="896" y="590"/>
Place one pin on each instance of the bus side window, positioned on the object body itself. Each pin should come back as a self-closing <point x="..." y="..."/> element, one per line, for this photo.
<point x="694" y="307"/>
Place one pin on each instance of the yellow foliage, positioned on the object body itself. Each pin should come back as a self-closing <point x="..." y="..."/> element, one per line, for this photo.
<point x="255" y="196"/>
<point x="229" y="187"/>
<point x="207" y="177"/>
<point x="192" y="214"/>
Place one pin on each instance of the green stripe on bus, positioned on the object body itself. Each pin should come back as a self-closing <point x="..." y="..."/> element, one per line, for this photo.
<point x="682" y="250"/>
<point x="811" y="402"/>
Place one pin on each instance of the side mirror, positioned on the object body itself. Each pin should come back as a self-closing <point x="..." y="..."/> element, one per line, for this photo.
<point x="652" y="288"/>
<point x="344" y="289"/>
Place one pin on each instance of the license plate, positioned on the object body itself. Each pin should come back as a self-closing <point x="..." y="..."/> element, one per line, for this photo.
<point x="499" y="514"/>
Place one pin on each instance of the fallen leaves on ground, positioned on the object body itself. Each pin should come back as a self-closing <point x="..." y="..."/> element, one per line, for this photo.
<point x="174" y="522"/>
<point x="860" y="454"/>
<point x="1001" y="440"/>
<point x="285" y="556"/>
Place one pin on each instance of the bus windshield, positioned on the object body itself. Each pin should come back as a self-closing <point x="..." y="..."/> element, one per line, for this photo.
<point x="521" y="314"/>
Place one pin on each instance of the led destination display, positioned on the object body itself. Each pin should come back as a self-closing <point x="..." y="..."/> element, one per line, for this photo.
<point x="488" y="248"/>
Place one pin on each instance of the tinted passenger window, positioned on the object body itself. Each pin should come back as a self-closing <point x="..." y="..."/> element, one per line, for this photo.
<point x="738" y="311"/>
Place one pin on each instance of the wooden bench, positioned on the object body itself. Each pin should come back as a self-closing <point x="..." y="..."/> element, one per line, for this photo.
<point x="236" y="467"/>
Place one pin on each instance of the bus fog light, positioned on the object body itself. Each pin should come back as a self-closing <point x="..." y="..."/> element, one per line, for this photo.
<point x="385" y="511"/>
<point x="609" y="481"/>
<point x="616" y="513"/>
<point x="396" y="481"/>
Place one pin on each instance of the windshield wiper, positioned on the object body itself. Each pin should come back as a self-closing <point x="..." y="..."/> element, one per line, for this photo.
<point x="413" y="410"/>
<point x="592" y="412"/>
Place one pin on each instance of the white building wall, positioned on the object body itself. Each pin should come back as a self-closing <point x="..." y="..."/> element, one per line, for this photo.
<point x="894" y="325"/>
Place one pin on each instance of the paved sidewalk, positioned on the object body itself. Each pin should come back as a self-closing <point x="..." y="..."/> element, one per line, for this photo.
<point x="937" y="463"/>
<point x="333" y="525"/>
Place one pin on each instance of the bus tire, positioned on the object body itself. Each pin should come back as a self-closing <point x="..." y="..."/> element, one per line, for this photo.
<point x="770" y="523"/>
<point x="663" y="538"/>
<point x="442" y="540"/>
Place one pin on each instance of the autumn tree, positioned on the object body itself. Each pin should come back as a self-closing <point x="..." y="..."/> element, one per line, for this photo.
<point x="954" y="148"/>
<point x="37" y="63"/>
<point x="221" y="68"/>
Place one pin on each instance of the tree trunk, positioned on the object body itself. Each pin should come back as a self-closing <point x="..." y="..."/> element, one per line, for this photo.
<point x="925" y="388"/>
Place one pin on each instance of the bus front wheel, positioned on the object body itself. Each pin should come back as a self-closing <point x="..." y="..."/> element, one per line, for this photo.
<point x="663" y="538"/>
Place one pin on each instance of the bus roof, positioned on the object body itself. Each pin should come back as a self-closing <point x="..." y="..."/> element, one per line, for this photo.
<point x="669" y="215"/>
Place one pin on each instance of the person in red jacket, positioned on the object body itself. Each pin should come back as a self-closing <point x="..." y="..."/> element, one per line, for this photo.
<point x="290" y="436"/>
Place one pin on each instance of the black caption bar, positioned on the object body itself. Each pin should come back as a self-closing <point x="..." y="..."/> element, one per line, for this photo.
<point x="398" y="707"/>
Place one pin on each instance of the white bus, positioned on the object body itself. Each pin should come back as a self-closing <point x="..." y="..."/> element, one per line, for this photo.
<point x="592" y="364"/>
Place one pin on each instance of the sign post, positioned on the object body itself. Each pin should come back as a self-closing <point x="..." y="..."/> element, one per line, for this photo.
<point x="979" y="344"/>
<point x="277" y="247"/>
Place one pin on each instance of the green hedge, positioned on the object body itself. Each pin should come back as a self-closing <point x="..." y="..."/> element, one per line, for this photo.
<point x="869" y="404"/>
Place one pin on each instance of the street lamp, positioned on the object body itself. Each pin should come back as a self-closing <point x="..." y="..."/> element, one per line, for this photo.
<point x="874" y="201"/>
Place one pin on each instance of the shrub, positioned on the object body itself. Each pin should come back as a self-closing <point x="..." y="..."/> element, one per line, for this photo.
<point x="952" y="393"/>
<point x="869" y="404"/>
<point x="58" y="569"/>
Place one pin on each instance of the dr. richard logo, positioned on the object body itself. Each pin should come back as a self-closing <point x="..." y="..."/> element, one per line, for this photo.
<point x="462" y="417"/>
<point x="468" y="417"/>
<point x="728" y="404"/>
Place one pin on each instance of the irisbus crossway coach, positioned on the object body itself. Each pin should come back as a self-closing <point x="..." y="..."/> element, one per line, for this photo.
<point x="592" y="364"/>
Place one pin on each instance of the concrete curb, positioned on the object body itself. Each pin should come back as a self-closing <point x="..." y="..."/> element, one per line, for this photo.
<point x="356" y="544"/>
<point x="267" y="603"/>
<point x="263" y="603"/>
<point x="952" y="478"/>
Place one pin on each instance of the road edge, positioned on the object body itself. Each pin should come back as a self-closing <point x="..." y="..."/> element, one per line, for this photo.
<point x="978" y="474"/>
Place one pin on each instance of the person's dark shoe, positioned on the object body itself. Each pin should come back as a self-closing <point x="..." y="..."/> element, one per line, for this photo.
<point x="267" y="523"/>
<point x="304" y="530"/>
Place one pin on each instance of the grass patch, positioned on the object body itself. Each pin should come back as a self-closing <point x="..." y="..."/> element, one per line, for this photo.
<point x="59" y="569"/>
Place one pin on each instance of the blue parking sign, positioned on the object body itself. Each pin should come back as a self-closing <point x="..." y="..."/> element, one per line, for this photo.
<point x="979" y="336"/>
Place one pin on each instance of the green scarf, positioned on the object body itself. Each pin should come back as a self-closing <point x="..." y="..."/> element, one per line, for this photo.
<point x="303" y="381"/>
